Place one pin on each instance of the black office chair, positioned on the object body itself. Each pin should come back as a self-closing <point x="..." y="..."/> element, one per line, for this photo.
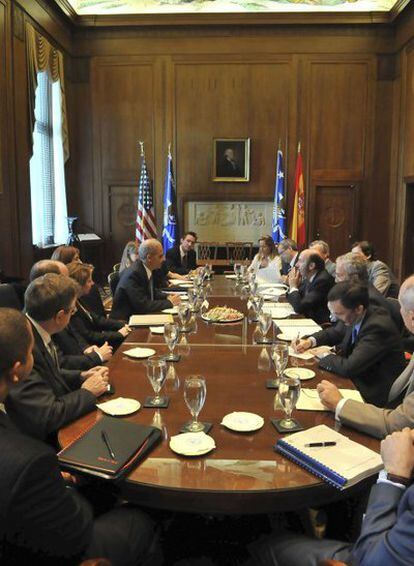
<point x="8" y="297"/>
<point x="113" y="280"/>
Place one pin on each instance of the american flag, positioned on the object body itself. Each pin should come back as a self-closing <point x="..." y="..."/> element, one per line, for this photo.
<point x="145" y="224"/>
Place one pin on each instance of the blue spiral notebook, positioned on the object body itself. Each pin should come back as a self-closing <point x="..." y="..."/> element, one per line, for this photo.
<point x="343" y="464"/>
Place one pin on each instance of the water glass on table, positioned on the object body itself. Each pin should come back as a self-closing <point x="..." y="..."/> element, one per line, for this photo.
<point x="265" y="322"/>
<point x="194" y="397"/>
<point x="156" y="372"/>
<point x="280" y="357"/>
<point x="289" y="391"/>
<point x="171" y="336"/>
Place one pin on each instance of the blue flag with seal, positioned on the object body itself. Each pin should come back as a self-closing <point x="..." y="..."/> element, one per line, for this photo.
<point x="170" y="233"/>
<point x="279" y="227"/>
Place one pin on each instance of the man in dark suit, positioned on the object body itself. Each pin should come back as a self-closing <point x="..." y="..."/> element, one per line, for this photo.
<point x="182" y="259"/>
<point x="373" y="420"/>
<point x="353" y="267"/>
<point x="309" y="284"/>
<point x="289" y="254"/>
<point x="370" y="351"/>
<point x="136" y="292"/>
<point x="386" y="534"/>
<point x="43" y="520"/>
<point x="52" y="397"/>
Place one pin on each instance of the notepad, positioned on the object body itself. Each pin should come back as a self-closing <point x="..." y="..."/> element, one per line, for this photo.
<point x="342" y="465"/>
<point x="309" y="399"/>
<point x="150" y="319"/>
<point x="89" y="454"/>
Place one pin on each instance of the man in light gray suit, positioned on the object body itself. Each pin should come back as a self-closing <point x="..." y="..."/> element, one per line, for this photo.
<point x="368" y="418"/>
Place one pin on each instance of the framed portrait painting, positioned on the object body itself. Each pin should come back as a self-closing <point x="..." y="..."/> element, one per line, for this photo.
<point x="231" y="160"/>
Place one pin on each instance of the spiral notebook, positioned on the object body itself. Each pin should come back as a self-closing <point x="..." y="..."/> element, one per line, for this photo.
<point x="342" y="465"/>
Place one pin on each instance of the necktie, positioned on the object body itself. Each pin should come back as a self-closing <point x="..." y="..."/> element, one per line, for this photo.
<point x="53" y="353"/>
<point x="151" y="288"/>
<point x="354" y="335"/>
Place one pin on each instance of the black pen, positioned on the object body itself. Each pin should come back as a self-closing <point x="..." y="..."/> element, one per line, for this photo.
<point x="319" y="444"/>
<point x="105" y="438"/>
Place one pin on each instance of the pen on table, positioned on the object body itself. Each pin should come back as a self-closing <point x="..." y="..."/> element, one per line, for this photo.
<point x="105" y="438"/>
<point x="319" y="444"/>
<point x="296" y="341"/>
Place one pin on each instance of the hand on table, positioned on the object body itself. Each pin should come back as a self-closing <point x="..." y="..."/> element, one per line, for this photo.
<point x="329" y="394"/>
<point x="97" y="370"/>
<point x="301" y="345"/>
<point x="105" y="351"/>
<point x="97" y="384"/>
<point x="124" y="331"/>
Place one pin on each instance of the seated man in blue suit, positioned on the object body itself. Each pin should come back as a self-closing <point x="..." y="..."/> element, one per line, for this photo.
<point x="44" y="520"/>
<point x="386" y="537"/>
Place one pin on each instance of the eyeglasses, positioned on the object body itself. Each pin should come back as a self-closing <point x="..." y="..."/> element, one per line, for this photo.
<point x="71" y="311"/>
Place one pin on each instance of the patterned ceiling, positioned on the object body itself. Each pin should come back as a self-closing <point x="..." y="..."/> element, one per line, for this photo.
<point x="95" y="7"/>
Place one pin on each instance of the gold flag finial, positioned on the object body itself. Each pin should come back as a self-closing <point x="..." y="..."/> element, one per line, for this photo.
<point x="141" y="143"/>
<point x="279" y="147"/>
<point x="169" y="149"/>
<point x="299" y="147"/>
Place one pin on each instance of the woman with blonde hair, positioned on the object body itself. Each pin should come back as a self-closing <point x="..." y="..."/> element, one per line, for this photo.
<point x="267" y="263"/>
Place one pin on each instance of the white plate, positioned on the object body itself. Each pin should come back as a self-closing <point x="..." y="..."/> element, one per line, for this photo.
<point x="157" y="329"/>
<point x="222" y="320"/>
<point x="172" y="310"/>
<point x="280" y="314"/>
<point x="243" y="422"/>
<point x="139" y="353"/>
<point x="120" y="406"/>
<point x="285" y="337"/>
<point x="230" y="276"/>
<point x="302" y="373"/>
<point x="192" y="443"/>
<point x="183" y="284"/>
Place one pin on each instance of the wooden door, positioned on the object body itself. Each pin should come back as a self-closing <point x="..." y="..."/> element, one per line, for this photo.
<point x="334" y="216"/>
<point x="408" y="251"/>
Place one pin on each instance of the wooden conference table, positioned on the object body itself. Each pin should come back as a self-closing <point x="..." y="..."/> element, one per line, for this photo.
<point x="243" y="475"/>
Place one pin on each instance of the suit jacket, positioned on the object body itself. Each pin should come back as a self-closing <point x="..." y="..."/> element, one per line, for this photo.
<point x="35" y="505"/>
<point x="286" y="267"/>
<point x="70" y="345"/>
<point x="380" y="422"/>
<point x="386" y="532"/>
<point x="96" y="329"/>
<point x="48" y="399"/>
<point x="311" y="297"/>
<point x="375" y="359"/>
<point x="380" y="275"/>
<point x="133" y="294"/>
<point x="175" y="263"/>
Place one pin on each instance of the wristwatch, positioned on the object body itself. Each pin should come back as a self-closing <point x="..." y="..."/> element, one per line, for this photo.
<point x="395" y="479"/>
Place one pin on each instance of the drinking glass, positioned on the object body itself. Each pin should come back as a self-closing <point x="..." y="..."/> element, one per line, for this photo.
<point x="257" y="305"/>
<point x="194" y="397"/>
<point x="184" y="314"/>
<point x="237" y="270"/>
<point x="265" y="322"/>
<point x="289" y="391"/>
<point x="280" y="357"/>
<point x="171" y="335"/>
<point x="156" y="372"/>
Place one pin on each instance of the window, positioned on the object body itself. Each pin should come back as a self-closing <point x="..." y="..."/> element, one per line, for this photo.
<point x="47" y="172"/>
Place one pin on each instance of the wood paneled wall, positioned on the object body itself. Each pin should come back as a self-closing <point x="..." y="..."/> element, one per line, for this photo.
<point x="344" y="91"/>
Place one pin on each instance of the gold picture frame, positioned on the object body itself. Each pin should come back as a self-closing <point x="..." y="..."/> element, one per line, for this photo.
<point x="231" y="160"/>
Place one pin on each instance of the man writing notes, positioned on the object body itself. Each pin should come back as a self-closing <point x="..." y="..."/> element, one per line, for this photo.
<point x="136" y="292"/>
<point x="368" y="341"/>
<point x="368" y="418"/>
<point x="42" y="518"/>
<point x="386" y="537"/>
<point x="52" y="397"/>
<point x="182" y="259"/>
<point x="309" y="283"/>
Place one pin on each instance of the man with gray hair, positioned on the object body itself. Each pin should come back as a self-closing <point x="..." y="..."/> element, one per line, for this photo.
<point x="136" y="292"/>
<point x="353" y="267"/>
<point x="289" y="254"/>
<point x="368" y="418"/>
<point x="322" y="248"/>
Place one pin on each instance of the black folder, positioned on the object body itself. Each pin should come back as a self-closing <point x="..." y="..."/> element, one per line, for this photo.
<point x="89" y="453"/>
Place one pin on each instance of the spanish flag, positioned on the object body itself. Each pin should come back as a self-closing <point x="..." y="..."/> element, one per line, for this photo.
<point x="297" y="230"/>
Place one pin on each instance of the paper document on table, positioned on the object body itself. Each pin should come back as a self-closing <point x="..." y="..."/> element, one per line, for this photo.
<point x="281" y="310"/>
<point x="302" y="322"/>
<point x="343" y="464"/>
<point x="309" y="399"/>
<point x="149" y="319"/>
<point x="292" y="333"/>
<point x="302" y="356"/>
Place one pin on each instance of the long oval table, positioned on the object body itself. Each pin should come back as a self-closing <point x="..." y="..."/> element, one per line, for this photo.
<point x="243" y="475"/>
